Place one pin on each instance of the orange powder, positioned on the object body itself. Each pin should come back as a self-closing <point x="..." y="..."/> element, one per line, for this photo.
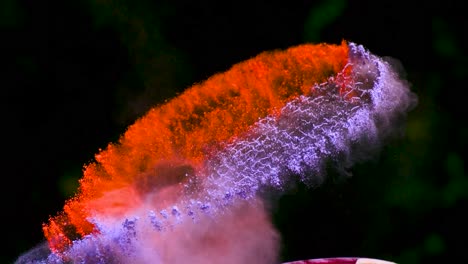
<point x="189" y="128"/>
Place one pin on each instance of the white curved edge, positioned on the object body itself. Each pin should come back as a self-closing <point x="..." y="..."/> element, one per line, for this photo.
<point x="373" y="261"/>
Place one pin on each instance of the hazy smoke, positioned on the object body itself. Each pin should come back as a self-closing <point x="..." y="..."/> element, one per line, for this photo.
<point x="219" y="216"/>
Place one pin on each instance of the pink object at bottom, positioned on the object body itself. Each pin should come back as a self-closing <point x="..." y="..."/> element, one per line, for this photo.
<point x="325" y="261"/>
<point x="340" y="261"/>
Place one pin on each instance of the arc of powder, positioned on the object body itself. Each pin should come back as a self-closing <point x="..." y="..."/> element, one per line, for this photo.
<point x="272" y="116"/>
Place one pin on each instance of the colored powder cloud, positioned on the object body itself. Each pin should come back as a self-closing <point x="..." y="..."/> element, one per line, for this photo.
<point x="187" y="180"/>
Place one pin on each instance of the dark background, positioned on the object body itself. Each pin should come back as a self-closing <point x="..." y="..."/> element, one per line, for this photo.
<point x="75" y="74"/>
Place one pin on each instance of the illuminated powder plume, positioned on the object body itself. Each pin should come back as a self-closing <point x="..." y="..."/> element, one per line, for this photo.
<point x="183" y="182"/>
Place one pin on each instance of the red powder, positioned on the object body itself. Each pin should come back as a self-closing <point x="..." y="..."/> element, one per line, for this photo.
<point x="183" y="132"/>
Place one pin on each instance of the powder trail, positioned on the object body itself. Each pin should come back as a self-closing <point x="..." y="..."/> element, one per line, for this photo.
<point x="196" y="164"/>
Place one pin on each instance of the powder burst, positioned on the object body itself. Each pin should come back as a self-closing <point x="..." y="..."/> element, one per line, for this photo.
<point x="184" y="180"/>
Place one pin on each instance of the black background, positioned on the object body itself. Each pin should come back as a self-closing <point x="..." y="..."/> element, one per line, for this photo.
<point x="77" y="73"/>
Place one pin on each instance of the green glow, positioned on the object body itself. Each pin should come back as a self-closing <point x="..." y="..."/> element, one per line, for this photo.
<point x="321" y="16"/>
<point x="444" y="42"/>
